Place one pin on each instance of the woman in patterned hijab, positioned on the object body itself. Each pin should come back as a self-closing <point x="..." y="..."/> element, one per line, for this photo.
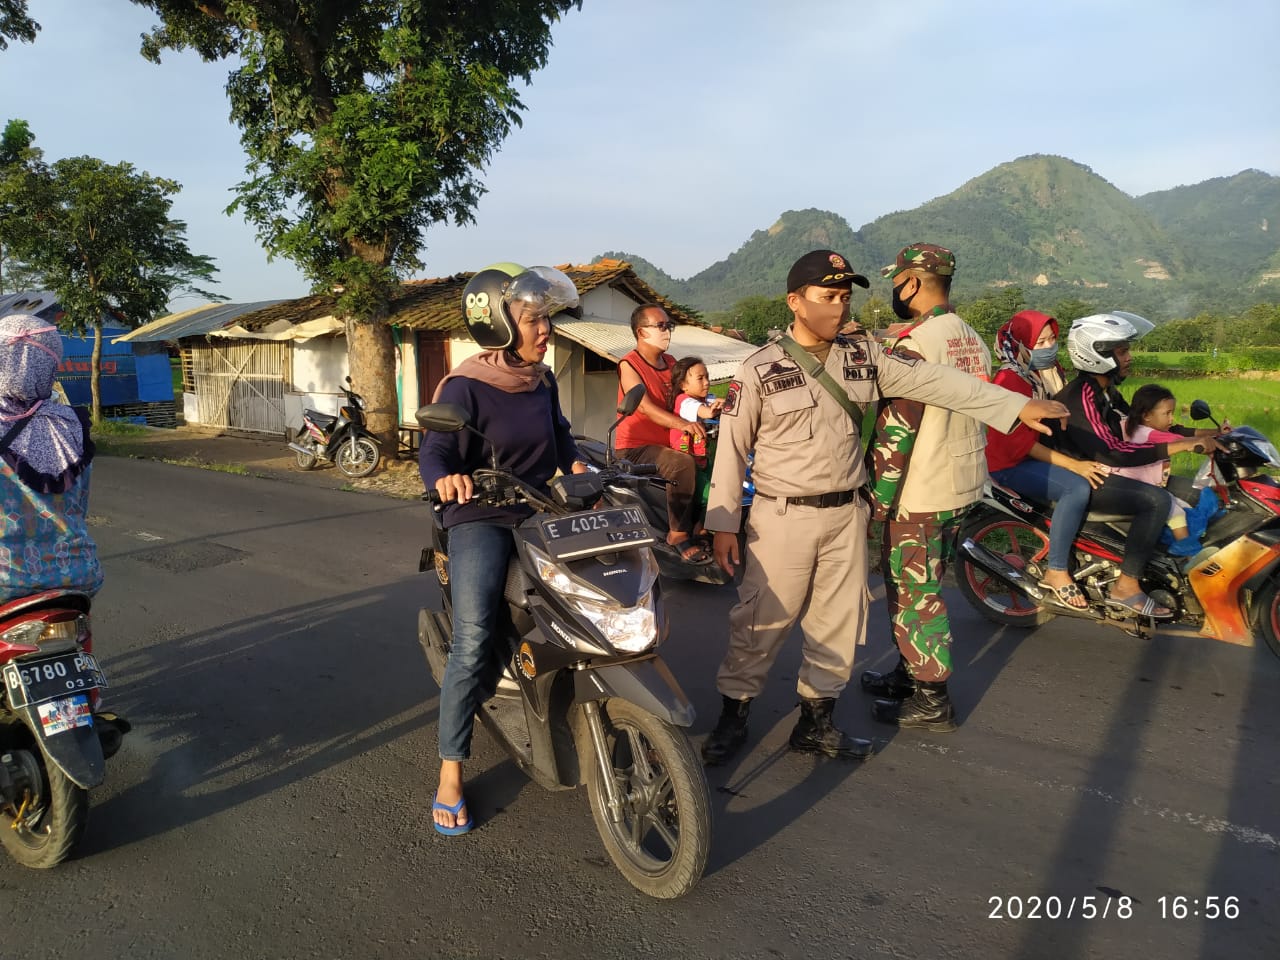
<point x="45" y="456"/>
<point x="1028" y="348"/>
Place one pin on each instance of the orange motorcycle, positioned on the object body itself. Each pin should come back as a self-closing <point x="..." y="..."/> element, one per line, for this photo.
<point x="1230" y="590"/>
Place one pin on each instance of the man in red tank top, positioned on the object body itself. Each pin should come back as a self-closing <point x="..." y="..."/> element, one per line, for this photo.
<point x="643" y="437"/>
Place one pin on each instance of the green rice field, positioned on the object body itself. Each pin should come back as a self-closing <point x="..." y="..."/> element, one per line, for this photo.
<point x="1255" y="403"/>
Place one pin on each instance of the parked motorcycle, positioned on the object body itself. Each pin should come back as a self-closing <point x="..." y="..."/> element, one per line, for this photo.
<point x="343" y="440"/>
<point x="54" y="738"/>
<point x="651" y="497"/>
<point x="583" y="695"/>
<point x="1228" y="590"/>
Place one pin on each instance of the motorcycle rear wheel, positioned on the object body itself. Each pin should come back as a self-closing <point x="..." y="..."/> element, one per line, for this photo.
<point x="1023" y="547"/>
<point x="663" y="839"/>
<point x="363" y="462"/>
<point x="1268" y="616"/>
<point x="52" y="824"/>
<point x="305" y="461"/>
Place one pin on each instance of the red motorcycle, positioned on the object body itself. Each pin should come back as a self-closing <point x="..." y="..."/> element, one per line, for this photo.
<point x="54" y="738"/>
<point x="1228" y="590"/>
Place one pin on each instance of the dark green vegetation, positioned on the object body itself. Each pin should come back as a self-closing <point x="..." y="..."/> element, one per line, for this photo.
<point x="364" y="124"/>
<point x="1048" y="226"/>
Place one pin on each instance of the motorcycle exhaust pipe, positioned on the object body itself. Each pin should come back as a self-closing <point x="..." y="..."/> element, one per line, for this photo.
<point x="301" y="449"/>
<point x="1000" y="567"/>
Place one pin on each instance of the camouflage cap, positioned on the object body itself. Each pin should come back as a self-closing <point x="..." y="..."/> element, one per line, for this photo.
<point x="922" y="256"/>
<point x="823" y="268"/>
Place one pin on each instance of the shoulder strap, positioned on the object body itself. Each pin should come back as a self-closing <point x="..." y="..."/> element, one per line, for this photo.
<point x="810" y="365"/>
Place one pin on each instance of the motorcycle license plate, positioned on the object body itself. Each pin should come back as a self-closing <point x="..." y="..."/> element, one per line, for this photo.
<point x="35" y="681"/>
<point x="595" y="531"/>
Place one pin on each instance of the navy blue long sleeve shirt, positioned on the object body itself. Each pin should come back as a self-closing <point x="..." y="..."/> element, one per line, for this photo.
<point x="530" y="433"/>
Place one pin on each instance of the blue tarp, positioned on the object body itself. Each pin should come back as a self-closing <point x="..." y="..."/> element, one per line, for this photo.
<point x="129" y="375"/>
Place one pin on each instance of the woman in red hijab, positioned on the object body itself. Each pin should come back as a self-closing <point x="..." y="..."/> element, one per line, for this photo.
<point x="1028" y="347"/>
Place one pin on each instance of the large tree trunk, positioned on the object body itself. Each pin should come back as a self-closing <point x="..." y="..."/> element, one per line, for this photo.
<point x="371" y="357"/>
<point x="95" y="372"/>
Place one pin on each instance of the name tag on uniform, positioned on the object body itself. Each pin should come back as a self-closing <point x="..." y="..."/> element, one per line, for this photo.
<point x="777" y="376"/>
<point x="859" y="373"/>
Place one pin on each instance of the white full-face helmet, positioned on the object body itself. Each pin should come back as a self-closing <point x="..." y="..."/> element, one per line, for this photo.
<point x="1092" y="340"/>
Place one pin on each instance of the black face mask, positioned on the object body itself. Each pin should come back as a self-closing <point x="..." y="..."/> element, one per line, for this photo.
<point x="901" y="307"/>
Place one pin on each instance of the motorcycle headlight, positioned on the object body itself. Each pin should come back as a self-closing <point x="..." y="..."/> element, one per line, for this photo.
<point x="628" y="629"/>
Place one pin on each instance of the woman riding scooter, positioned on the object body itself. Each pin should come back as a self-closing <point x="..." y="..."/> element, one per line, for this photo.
<point x="1099" y="350"/>
<point x="511" y="398"/>
<point x="44" y="469"/>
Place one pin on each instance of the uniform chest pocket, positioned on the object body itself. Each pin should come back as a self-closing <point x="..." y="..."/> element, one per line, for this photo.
<point x="792" y="412"/>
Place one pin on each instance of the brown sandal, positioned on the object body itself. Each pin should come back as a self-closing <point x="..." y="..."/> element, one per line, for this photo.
<point x="1064" y="595"/>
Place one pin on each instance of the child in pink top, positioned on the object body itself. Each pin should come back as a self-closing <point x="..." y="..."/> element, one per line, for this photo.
<point x="1149" y="420"/>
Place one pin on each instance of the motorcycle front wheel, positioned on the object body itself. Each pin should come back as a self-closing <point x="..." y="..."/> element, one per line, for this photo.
<point x="362" y="461"/>
<point x="1022" y="547"/>
<point x="43" y="829"/>
<point x="661" y="842"/>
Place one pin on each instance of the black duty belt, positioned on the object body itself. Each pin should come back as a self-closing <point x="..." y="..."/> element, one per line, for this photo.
<point x="837" y="499"/>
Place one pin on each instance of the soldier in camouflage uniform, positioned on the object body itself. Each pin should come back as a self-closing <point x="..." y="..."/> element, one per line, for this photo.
<point x="928" y="465"/>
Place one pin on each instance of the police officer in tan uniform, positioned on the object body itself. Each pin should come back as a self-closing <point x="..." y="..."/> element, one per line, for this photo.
<point x="797" y="403"/>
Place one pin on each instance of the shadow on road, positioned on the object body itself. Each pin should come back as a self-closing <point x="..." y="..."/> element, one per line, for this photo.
<point x="227" y="715"/>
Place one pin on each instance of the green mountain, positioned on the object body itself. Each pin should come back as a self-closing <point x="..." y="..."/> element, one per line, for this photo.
<point x="1046" y="224"/>
<point x="1228" y="224"/>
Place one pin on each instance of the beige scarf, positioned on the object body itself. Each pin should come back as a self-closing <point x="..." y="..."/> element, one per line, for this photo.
<point x="496" y="368"/>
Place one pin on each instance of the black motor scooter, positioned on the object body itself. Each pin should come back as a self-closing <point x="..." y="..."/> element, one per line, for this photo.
<point x="55" y="738"/>
<point x="581" y="694"/>
<point x="343" y="440"/>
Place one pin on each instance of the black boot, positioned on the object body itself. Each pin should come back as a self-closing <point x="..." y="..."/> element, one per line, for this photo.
<point x="897" y="684"/>
<point x="730" y="732"/>
<point x="814" y="733"/>
<point x="929" y="708"/>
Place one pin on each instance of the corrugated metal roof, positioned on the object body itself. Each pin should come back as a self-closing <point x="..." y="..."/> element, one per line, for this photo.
<point x="434" y="304"/>
<point x="613" y="339"/>
<point x="197" y="321"/>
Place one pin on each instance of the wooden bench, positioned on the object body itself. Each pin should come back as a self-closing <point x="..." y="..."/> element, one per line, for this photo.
<point x="409" y="440"/>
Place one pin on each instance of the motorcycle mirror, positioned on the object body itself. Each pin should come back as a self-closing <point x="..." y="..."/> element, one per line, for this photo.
<point x="631" y="401"/>
<point x="629" y="405"/>
<point x="348" y="379"/>
<point x="1200" y="411"/>
<point x="442" y="417"/>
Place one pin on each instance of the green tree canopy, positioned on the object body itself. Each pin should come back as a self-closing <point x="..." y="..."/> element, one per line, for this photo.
<point x="365" y="123"/>
<point x="15" y="24"/>
<point x="17" y="153"/>
<point x="101" y="237"/>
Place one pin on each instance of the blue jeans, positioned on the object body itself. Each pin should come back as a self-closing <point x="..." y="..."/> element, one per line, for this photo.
<point x="478" y="556"/>
<point x="1069" y="492"/>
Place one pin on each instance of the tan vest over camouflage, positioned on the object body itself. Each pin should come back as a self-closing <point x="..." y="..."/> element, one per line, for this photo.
<point x="948" y="464"/>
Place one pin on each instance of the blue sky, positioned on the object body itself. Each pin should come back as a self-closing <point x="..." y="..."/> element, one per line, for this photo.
<point x="674" y="129"/>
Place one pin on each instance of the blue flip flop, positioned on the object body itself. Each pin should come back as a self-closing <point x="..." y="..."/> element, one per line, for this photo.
<point x="455" y="810"/>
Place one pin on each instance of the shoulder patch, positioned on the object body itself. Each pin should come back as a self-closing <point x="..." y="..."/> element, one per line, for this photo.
<point x="778" y="375"/>
<point x="730" y="407"/>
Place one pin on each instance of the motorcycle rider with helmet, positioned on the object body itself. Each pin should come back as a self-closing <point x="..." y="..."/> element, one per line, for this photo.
<point x="511" y="397"/>
<point x="1099" y="349"/>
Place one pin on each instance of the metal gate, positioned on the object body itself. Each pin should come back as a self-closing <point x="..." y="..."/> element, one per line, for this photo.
<point x="240" y="384"/>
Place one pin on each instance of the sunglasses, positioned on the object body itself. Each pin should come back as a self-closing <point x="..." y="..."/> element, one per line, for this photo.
<point x="665" y="325"/>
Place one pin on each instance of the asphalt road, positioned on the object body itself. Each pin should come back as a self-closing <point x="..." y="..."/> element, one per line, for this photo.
<point x="274" y="798"/>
